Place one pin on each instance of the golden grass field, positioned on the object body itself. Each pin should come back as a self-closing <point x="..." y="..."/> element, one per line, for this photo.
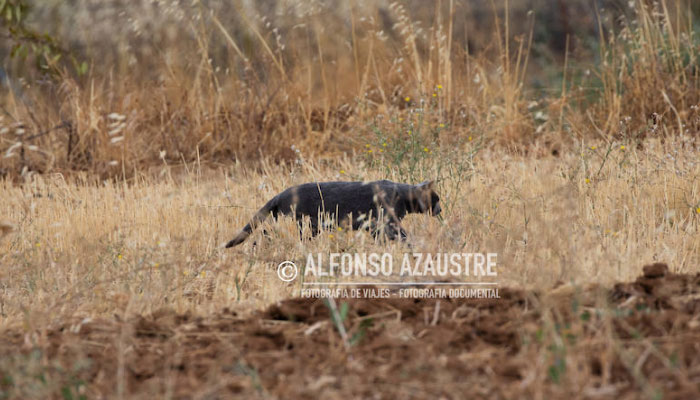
<point x="84" y="247"/>
<point x="120" y="184"/>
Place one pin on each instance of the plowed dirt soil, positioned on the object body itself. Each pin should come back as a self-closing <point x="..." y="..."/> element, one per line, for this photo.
<point x="635" y="340"/>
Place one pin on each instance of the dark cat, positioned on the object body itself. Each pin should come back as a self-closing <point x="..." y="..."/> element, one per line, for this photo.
<point x="357" y="204"/>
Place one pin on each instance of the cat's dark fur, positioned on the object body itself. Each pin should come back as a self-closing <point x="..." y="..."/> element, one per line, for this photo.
<point x="355" y="204"/>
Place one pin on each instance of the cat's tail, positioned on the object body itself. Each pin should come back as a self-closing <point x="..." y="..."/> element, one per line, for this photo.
<point x="258" y="218"/>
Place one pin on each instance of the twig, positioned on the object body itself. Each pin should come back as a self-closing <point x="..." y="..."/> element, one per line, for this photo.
<point x="63" y="124"/>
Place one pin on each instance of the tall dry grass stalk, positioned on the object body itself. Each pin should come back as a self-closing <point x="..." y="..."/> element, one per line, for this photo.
<point x="650" y="76"/>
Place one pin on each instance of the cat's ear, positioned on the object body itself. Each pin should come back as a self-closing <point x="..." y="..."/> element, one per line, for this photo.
<point x="426" y="186"/>
<point x="422" y="194"/>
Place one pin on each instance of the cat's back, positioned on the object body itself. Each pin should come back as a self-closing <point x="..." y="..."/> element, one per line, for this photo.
<point x="349" y="187"/>
<point x="338" y="190"/>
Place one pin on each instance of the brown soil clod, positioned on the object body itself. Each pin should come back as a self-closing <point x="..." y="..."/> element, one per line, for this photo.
<point x="656" y="270"/>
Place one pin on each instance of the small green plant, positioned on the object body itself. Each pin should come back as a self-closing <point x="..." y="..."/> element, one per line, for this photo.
<point x="26" y="376"/>
<point x="405" y="149"/>
<point x="339" y="315"/>
<point x="46" y="50"/>
<point x="557" y="370"/>
<point x="242" y="368"/>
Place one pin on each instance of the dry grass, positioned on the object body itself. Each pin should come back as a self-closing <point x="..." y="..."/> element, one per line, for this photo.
<point x="119" y="188"/>
<point x="84" y="247"/>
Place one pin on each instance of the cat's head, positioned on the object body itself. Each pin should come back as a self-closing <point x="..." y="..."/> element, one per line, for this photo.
<point x="425" y="199"/>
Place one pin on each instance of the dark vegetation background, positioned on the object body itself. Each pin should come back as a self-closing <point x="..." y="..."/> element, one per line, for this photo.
<point x="114" y="86"/>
